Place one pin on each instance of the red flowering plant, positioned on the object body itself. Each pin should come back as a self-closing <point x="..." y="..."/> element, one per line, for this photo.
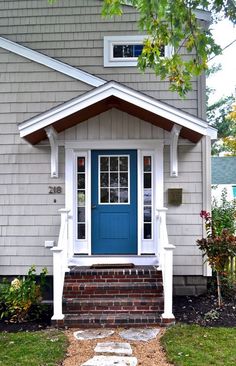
<point x="219" y="247"/>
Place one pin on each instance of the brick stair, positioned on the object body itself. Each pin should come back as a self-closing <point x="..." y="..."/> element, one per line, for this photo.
<point x="113" y="297"/>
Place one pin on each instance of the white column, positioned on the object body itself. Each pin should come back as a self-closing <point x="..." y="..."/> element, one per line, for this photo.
<point x="168" y="282"/>
<point x="57" y="284"/>
<point x="60" y="259"/>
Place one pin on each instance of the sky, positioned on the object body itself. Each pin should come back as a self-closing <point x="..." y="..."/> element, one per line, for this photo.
<point x="224" y="81"/>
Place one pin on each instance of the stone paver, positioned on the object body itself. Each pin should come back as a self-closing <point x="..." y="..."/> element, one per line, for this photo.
<point x="111" y="361"/>
<point x="139" y="334"/>
<point x="93" y="334"/>
<point x="117" y="348"/>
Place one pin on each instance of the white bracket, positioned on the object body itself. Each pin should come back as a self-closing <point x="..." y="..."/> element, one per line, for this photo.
<point x="174" y="136"/>
<point x="53" y="136"/>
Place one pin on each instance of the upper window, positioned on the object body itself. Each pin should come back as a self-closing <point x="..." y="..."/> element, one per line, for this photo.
<point x="124" y="50"/>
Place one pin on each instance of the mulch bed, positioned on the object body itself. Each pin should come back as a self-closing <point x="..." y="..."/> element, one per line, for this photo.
<point x="204" y="310"/>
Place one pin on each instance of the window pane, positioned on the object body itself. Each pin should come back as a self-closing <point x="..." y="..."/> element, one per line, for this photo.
<point x="147" y="197"/>
<point x="123" y="164"/>
<point x="81" y="164"/>
<point x="138" y="49"/>
<point x="124" y="179"/>
<point x="81" y="198"/>
<point x="104" y="196"/>
<point x="113" y="179"/>
<point x="81" y="181"/>
<point x="118" y="51"/>
<point x="114" y="164"/>
<point x="81" y="214"/>
<point x="104" y="164"/>
<point x="147" y="214"/>
<point x="162" y="51"/>
<point x="128" y="50"/>
<point x="123" y="195"/>
<point x="147" y="180"/>
<point x="147" y="163"/>
<point x="104" y="180"/>
<point x="81" y="231"/>
<point x="147" y="231"/>
<point x="114" y="183"/>
<point x="113" y="195"/>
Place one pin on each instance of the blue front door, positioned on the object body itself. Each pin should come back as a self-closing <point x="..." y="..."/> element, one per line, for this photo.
<point x="114" y="202"/>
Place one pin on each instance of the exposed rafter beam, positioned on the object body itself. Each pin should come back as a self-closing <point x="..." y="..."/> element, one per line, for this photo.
<point x="53" y="136"/>
<point x="173" y="150"/>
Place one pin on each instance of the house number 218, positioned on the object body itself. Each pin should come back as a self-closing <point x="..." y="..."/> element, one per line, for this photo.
<point x="55" y="189"/>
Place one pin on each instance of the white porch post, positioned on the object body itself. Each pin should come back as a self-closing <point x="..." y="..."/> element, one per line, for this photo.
<point x="60" y="254"/>
<point x="165" y="251"/>
<point x="168" y="282"/>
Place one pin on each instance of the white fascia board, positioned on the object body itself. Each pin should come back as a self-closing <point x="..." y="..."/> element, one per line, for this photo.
<point x="212" y="132"/>
<point x="159" y="108"/>
<point x="51" y="63"/>
<point x="122" y="92"/>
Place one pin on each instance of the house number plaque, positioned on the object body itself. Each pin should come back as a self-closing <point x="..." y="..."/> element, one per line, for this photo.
<point x="54" y="189"/>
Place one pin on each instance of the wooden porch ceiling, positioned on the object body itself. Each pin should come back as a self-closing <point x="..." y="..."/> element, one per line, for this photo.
<point x="103" y="106"/>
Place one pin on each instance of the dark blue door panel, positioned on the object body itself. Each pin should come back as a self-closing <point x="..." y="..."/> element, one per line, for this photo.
<point x="114" y="226"/>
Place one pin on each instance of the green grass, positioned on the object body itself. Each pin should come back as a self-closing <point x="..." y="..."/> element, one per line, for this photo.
<point x="192" y="345"/>
<point x="43" y="348"/>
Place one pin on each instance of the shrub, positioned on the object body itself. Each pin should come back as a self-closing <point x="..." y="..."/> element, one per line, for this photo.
<point x="220" y="243"/>
<point x="21" y="298"/>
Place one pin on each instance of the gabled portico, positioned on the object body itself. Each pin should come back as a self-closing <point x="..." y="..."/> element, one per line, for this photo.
<point x="114" y="196"/>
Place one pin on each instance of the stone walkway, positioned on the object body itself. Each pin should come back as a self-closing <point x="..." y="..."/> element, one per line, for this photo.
<point x="115" y="353"/>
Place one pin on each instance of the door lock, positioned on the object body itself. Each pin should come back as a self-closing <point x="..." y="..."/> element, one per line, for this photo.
<point x="94" y="206"/>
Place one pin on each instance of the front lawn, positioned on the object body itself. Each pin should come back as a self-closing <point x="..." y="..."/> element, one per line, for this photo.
<point x="192" y="345"/>
<point x="44" y="348"/>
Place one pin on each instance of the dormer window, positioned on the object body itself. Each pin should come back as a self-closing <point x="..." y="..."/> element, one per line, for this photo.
<point x="123" y="51"/>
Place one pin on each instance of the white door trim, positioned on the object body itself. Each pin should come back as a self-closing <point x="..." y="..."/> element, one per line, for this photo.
<point x="75" y="148"/>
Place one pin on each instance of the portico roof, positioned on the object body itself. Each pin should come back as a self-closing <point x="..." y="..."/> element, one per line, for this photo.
<point x="115" y="95"/>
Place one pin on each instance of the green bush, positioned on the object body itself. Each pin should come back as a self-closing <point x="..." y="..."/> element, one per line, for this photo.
<point x="20" y="299"/>
<point x="220" y="243"/>
<point x="223" y="214"/>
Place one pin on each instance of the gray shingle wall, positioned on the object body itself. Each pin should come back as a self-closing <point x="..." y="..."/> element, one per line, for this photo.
<point x="28" y="214"/>
<point x="73" y="33"/>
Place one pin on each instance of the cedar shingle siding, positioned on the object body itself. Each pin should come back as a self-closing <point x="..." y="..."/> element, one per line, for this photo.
<point x="72" y="32"/>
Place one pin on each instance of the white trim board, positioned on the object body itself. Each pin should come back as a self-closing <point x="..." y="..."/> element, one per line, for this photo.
<point x="153" y="147"/>
<point x="51" y="63"/>
<point x="122" y="92"/>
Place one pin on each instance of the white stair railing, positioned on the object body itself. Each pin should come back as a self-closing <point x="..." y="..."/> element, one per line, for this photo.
<point x="60" y="265"/>
<point x="165" y="254"/>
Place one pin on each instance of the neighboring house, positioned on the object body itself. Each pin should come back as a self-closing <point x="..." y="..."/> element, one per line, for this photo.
<point x="223" y="176"/>
<point x="82" y="130"/>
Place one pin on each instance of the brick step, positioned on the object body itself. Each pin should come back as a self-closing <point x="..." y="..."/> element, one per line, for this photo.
<point x="72" y="290"/>
<point x="114" y="320"/>
<point x="143" y="305"/>
<point x="138" y="272"/>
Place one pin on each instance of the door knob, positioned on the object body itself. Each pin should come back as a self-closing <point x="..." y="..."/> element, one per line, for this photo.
<point x="94" y="206"/>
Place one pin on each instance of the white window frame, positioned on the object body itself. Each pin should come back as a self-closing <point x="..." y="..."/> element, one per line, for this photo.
<point x="151" y="154"/>
<point x="99" y="186"/>
<point x="111" y="41"/>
